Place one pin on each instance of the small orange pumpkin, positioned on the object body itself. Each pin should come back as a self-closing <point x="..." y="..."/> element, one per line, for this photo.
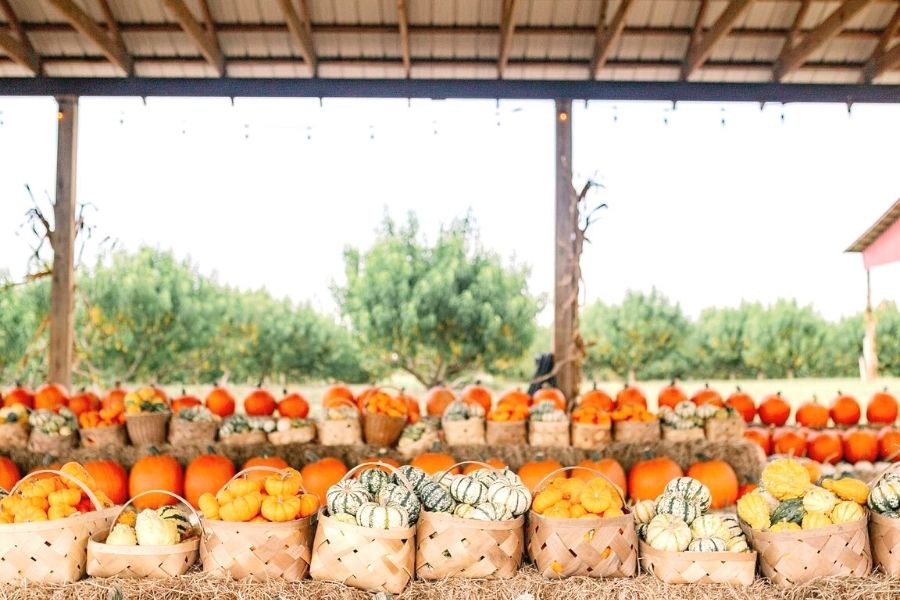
<point x="742" y="402"/>
<point x="845" y="410"/>
<point x="882" y="408"/>
<point x="648" y="478"/>
<point x="670" y="395"/>
<point x="774" y="410"/>
<point x="220" y="402"/>
<point x="479" y="395"/>
<point x="707" y="395"/>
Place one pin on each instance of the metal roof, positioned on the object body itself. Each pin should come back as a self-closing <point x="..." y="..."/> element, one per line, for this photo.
<point x="874" y="232"/>
<point x="834" y="42"/>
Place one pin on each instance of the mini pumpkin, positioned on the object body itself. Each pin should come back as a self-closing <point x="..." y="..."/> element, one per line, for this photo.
<point x="668" y="532"/>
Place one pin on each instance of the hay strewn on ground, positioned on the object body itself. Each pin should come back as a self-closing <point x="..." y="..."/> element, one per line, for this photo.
<point x="197" y="586"/>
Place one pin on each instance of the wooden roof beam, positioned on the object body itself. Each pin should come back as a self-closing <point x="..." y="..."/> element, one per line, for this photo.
<point x="815" y="39"/>
<point x="884" y="63"/>
<point x="794" y="33"/>
<point x="608" y="37"/>
<point x="507" y="28"/>
<point x="403" y="22"/>
<point x="16" y="44"/>
<point x="204" y="38"/>
<point x="300" y="27"/>
<point x="876" y="65"/>
<point x="86" y="26"/>
<point x="698" y="53"/>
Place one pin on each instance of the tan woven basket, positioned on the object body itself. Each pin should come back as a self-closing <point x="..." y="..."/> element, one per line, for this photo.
<point x="339" y="432"/>
<point x="147" y="428"/>
<point x="725" y="430"/>
<point x="246" y="438"/>
<point x="597" y="547"/>
<point x="548" y="433"/>
<point x="257" y="551"/>
<point x="464" y="433"/>
<point x="54" y="445"/>
<point x="732" y="568"/>
<point x="50" y="551"/>
<point x="192" y="433"/>
<point x="382" y="430"/>
<point x="884" y="533"/>
<point x="375" y="560"/>
<point x="296" y="435"/>
<point x="796" y="557"/>
<point x="101" y="437"/>
<point x="449" y="546"/>
<point x="636" y="432"/>
<point x="506" y="433"/>
<point x="138" y="562"/>
<point x="425" y="444"/>
<point x="590" y="437"/>
<point x="13" y="435"/>
<point x="683" y="435"/>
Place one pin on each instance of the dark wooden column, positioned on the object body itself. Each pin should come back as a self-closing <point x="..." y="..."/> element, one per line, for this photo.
<point x="62" y="239"/>
<point x="565" y="291"/>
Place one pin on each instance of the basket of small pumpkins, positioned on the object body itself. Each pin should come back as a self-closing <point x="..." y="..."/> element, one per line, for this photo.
<point x="258" y="527"/>
<point x="245" y="430"/>
<point x="471" y="525"/>
<point x="804" y="531"/>
<point x="681" y="543"/>
<point x="102" y="428"/>
<point x="14" y="426"/>
<point x="633" y="423"/>
<point x="53" y="432"/>
<point x="158" y="542"/>
<point x="193" y="425"/>
<point x="384" y="417"/>
<point x="147" y="415"/>
<point x="506" y="423"/>
<point x="293" y="425"/>
<point x="366" y="537"/>
<point x="339" y="422"/>
<point x="548" y="425"/>
<point x="884" y="520"/>
<point x="579" y="525"/>
<point x="684" y="421"/>
<point x="591" y="421"/>
<point x="46" y="522"/>
<point x="463" y="423"/>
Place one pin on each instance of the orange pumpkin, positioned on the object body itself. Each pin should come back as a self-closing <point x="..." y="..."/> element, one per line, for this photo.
<point x="746" y="489"/>
<point x="206" y="473"/>
<point x="413" y="410"/>
<point x="9" y="473"/>
<point x="812" y="414"/>
<point x="742" y="402"/>
<point x="477" y="394"/>
<point x="434" y="462"/>
<point x="860" y="444"/>
<point x="515" y="396"/>
<point x="889" y="444"/>
<point x="720" y="478"/>
<point x="825" y="447"/>
<point x="155" y="472"/>
<point x="597" y="399"/>
<point x="707" y="395"/>
<point x="259" y="403"/>
<point x="497" y="463"/>
<point x="774" y="410"/>
<point x="320" y="475"/>
<point x="266" y="460"/>
<point x="760" y="436"/>
<point x="115" y="398"/>
<point x="790" y="441"/>
<point x="648" y="478"/>
<point x="591" y="415"/>
<point x="609" y="467"/>
<point x="882" y="408"/>
<point x="364" y="395"/>
<point x="111" y="478"/>
<point x="51" y="396"/>
<point x="845" y="410"/>
<point x="437" y="399"/>
<point x="293" y="406"/>
<point x="84" y="401"/>
<point x="336" y="395"/>
<point x="184" y="401"/>
<point x="550" y="394"/>
<point x="533" y="472"/>
<point x="19" y="395"/>
<point x="631" y="395"/>
<point x="670" y="395"/>
<point x="220" y="402"/>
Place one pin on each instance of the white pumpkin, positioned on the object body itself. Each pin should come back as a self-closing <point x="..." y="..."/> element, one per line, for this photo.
<point x="737" y="544"/>
<point x="710" y="526"/>
<point x="463" y="511"/>
<point x="488" y="511"/>
<point x="468" y="490"/>
<point x="668" y="532"/>
<point x="382" y="516"/>
<point x="644" y="511"/>
<point x="515" y="497"/>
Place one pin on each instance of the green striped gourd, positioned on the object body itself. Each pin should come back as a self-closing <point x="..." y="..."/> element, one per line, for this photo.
<point x="707" y="544"/>
<point x="706" y="411"/>
<point x="463" y="511"/>
<point x="468" y="490"/>
<point x="382" y="516"/>
<point x="374" y="479"/>
<point x="414" y="475"/>
<point x="514" y="496"/>
<point x="789" y="510"/>
<point x="709" y="526"/>
<point x="737" y="544"/>
<point x="885" y="496"/>
<point x="489" y="511"/>
<point x="346" y="496"/>
<point x="435" y="498"/>
<point x="644" y="511"/>
<point x="398" y="494"/>
<point x="677" y="506"/>
<point x="685" y="410"/>
<point x="445" y="479"/>
<point x="732" y="524"/>
<point x="173" y="513"/>
<point x="689" y="489"/>
<point x="345" y="518"/>
<point x="668" y="532"/>
<point x="641" y="529"/>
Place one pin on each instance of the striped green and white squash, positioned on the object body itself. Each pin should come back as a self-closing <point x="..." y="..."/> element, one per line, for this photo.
<point x="488" y="476"/>
<point x="345" y="518"/>
<point x="666" y="414"/>
<point x="445" y="479"/>
<point x="490" y="511"/>
<point x="414" y="475"/>
<point x="707" y="544"/>
<point x="374" y="479"/>
<point x="435" y="498"/>
<point x="885" y="496"/>
<point x="732" y="524"/>
<point x="690" y="489"/>
<point x="706" y="411"/>
<point x="668" y="532"/>
<point x="891" y="514"/>
<point x="709" y="526"/>
<point x="468" y="490"/>
<point x="644" y="511"/>
<point x="509" y="475"/>
<point x="641" y="529"/>
<point x="173" y="513"/>
<point x="737" y="544"/>
<point x="346" y="496"/>
<point x="685" y="409"/>
<point x="463" y="511"/>
<point x="515" y="497"/>
<point x="398" y="494"/>
<point x="382" y="516"/>
<point x="677" y="506"/>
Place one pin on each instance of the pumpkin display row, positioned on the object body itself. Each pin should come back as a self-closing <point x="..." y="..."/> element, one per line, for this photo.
<point x="830" y="446"/>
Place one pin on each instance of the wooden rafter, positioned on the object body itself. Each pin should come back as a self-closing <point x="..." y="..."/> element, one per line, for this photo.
<point x="608" y="36"/>
<point x="87" y="27"/>
<point x="699" y="24"/>
<point x="815" y="39"/>
<point x="111" y="23"/>
<point x="794" y="32"/>
<point x="16" y="44"/>
<point x="403" y="22"/>
<point x="697" y="54"/>
<point x="876" y="66"/>
<point x="204" y="39"/>
<point x="300" y="27"/>
<point x="884" y="63"/>
<point x="507" y="28"/>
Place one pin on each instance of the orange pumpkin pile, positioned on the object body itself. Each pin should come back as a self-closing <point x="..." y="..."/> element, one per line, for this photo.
<point x="382" y="403"/>
<point x="278" y="498"/>
<point x="632" y="412"/>
<point x="508" y="410"/>
<point x="591" y="415"/>
<point x="105" y="417"/>
<point x="52" y="497"/>
<point x="574" y="498"/>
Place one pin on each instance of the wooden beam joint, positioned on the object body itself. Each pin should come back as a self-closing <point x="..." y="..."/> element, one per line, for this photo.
<point x="300" y="26"/>
<point x="204" y="38"/>
<point x="16" y="43"/>
<point x="608" y="36"/>
<point x="403" y="24"/>
<point x="699" y="52"/>
<point x="89" y="28"/>
<point x="507" y="28"/>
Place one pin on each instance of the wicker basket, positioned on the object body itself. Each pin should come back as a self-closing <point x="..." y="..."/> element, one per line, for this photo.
<point x="100" y="437"/>
<point x="467" y="432"/>
<point x="257" y="551"/>
<point x="339" y="432"/>
<point x="725" y="430"/>
<point x="732" y="568"/>
<point x="246" y="438"/>
<point x="636" y="432"/>
<point x="425" y="444"/>
<point x="295" y="435"/>
<point x="54" y="445"/>
<point x="147" y="428"/>
<point x="596" y="547"/>
<point x="138" y="562"/>
<point x="796" y="557"/>
<point x="590" y="437"/>
<point x="50" y="551"/>
<point x="884" y="533"/>
<point x="506" y="433"/>
<point x="375" y="560"/>
<point x="683" y="435"/>
<point x="13" y="435"/>
<point x="192" y="433"/>
<point x="382" y="430"/>
<point x="548" y="433"/>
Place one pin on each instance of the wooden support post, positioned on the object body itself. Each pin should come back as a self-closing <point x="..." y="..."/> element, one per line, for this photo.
<point x="870" y="343"/>
<point x="62" y="239"/>
<point x="565" y="296"/>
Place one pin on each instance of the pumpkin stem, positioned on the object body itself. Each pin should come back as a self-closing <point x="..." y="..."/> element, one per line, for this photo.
<point x="183" y="392"/>
<point x="118" y="384"/>
<point x="737" y="387"/>
<point x="153" y="451"/>
<point x="259" y="385"/>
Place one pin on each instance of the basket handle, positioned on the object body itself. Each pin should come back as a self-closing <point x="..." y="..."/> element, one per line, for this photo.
<point x="84" y="488"/>
<point x="196" y="521"/>
<point x="891" y="469"/>
<point x="391" y="469"/>
<point x="543" y="482"/>
<point x="446" y="471"/>
<point x="243" y="473"/>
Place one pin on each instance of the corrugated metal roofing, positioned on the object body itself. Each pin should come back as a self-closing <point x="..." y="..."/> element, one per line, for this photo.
<point x="553" y="39"/>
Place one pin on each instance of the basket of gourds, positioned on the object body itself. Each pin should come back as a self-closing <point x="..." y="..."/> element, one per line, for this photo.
<point x="53" y="433"/>
<point x="157" y="542"/>
<point x="633" y="423"/>
<point x="146" y="416"/>
<point x="548" y="425"/>
<point x="384" y="417"/>
<point x="419" y="437"/>
<point x="884" y="520"/>
<point x="339" y="423"/>
<point x="463" y="423"/>
<point x="243" y="430"/>
<point x="102" y="428"/>
<point x="507" y="423"/>
<point x="14" y="426"/>
<point x="471" y="526"/>
<point x="681" y="543"/>
<point x="724" y="425"/>
<point x="684" y="421"/>
<point x="46" y="522"/>
<point x="579" y="525"/>
<point x="258" y="528"/>
<point x="591" y="427"/>
<point x="366" y="536"/>
<point x="194" y="425"/>
<point x="804" y="531"/>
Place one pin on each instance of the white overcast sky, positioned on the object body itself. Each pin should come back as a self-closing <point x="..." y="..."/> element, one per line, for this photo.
<point x="711" y="203"/>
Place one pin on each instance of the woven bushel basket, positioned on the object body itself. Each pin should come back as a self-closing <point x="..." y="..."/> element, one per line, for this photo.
<point x="596" y="547"/>
<point x="138" y="562"/>
<point x="246" y="438"/>
<point x="13" y="435"/>
<point x="464" y="433"/>
<point x="548" y="433"/>
<point x="54" y="445"/>
<point x="50" y="551"/>
<point x="796" y="557"/>
<point x="382" y="430"/>
<point x="374" y="560"/>
<point x="885" y="535"/>
<point x="590" y="437"/>
<point x="636" y="432"/>
<point x="297" y="435"/>
<point x="183" y="432"/>
<point x="732" y="568"/>
<point x="147" y="428"/>
<point x="725" y="430"/>
<point x="339" y="432"/>
<point x="257" y="551"/>
<point x="100" y="437"/>
<point x="506" y="433"/>
<point x="683" y="435"/>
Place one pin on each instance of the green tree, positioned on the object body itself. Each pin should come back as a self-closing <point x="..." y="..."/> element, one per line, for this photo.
<point x="888" y="338"/>
<point x="437" y="311"/>
<point x="785" y="340"/>
<point x="716" y="345"/>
